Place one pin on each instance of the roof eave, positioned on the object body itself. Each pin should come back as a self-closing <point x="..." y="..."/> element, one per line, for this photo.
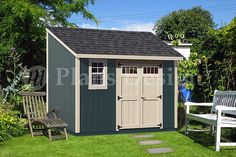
<point x="128" y="57"/>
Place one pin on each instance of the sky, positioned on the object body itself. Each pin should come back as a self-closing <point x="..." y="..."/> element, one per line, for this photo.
<point x="141" y="15"/>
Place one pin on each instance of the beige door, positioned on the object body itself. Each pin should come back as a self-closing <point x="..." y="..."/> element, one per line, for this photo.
<point x="151" y="95"/>
<point x="139" y="91"/>
<point x="128" y="97"/>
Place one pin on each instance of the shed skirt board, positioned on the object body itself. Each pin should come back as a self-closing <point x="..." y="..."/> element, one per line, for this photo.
<point x="139" y="95"/>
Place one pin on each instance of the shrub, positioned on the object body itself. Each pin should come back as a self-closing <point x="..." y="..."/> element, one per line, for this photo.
<point x="11" y="125"/>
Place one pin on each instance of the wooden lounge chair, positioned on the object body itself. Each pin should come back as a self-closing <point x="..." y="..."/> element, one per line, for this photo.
<point x="223" y="115"/>
<point x="35" y="109"/>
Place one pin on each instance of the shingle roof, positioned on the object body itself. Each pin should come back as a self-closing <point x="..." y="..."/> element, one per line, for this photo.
<point x="94" y="41"/>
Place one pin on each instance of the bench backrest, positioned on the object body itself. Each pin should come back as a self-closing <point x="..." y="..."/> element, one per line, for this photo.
<point x="225" y="98"/>
<point x="34" y="104"/>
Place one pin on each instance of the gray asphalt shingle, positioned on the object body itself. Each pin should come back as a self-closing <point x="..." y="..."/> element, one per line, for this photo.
<point x="113" y="42"/>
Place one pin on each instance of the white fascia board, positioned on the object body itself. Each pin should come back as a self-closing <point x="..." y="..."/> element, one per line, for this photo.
<point x="180" y="45"/>
<point x="128" y="57"/>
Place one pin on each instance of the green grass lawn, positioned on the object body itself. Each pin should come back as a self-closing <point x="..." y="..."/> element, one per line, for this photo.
<point x="120" y="145"/>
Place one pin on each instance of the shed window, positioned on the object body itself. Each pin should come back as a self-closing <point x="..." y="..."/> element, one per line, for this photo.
<point x="129" y="70"/>
<point x="97" y="74"/>
<point x="150" y="70"/>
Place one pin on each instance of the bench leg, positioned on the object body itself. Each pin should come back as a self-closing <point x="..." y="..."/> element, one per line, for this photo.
<point x="65" y="132"/>
<point x="218" y="134"/>
<point x="186" y="126"/>
<point x="49" y="134"/>
<point x="212" y="130"/>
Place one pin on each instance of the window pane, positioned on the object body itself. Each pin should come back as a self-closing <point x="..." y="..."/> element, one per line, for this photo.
<point x="156" y="70"/>
<point x="100" y="70"/>
<point x="127" y="70"/>
<point x="131" y="70"/>
<point x="94" y="64"/>
<point x="144" y="70"/>
<point x="97" y="79"/>
<point x="123" y="70"/>
<point x="152" y="70"/>
<point x="94" y="82"/>
<point x="100" y="64"/>
<point x="94" y="70"/>
<point x="135" y="70"/>
<point x="100" y="82"/>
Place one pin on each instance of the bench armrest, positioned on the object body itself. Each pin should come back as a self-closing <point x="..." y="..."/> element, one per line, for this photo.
<point x="219" y="110"/>
<point x="188" y="104"/>
<point x="197" y="104"/>
<point x="225" y="108"/>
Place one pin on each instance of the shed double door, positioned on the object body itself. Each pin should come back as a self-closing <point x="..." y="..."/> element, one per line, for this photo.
<point x="139" y="95"/>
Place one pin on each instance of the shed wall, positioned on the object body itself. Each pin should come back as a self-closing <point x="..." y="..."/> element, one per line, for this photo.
<point x="98" y="107"/>
<point x="61" y="93"/>
<point x="168" y="94"/>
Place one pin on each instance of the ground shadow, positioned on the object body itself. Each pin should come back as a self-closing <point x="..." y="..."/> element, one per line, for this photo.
<point x="203" y="138"/>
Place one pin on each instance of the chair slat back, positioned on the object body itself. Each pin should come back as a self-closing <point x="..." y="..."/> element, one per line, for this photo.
<point x="34" y="104"/>
<point x="224" y="98"/>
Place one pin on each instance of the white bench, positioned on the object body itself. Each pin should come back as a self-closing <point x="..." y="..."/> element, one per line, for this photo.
<point x="223" y="115"/>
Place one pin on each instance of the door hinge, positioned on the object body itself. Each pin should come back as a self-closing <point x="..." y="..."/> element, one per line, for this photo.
<point x="119" y="127"/>
<point x="160" y="96"/>
<point x="119" y="97"/>
<point x="160" y="125"/>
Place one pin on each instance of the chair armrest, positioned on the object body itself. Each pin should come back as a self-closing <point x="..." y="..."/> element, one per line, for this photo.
<point x="225" y="108"/>
<point x="188" y="104"/>
<point x="53" y="112"/>
<point x="198" y="104"/>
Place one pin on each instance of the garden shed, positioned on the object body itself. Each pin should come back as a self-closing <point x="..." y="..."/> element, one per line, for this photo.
<point x="109" y="81"/>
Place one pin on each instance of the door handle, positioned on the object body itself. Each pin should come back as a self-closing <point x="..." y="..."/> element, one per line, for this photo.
<point x="143" y="98"/>
<point x="160" y="96"/>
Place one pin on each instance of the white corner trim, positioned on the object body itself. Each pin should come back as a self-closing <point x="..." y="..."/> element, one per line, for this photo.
<point x="118" y="115"/>
<point x="77" y="95"/>
<point x="176" y="94"/>
<point x="61" y="42"/>
<point x="47" y="86"/>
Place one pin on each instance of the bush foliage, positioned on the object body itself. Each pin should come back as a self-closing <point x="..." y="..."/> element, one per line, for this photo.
<point x="11" y="125"/>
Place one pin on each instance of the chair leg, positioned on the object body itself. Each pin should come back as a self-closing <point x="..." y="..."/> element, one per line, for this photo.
<point x="49" y="134"/>
<point x="31" y="129"/>
<point x="212" y="130"/>
<point x="218" y="134"/>
<point x="65" y="132"/>
<point x="186" y="126"/>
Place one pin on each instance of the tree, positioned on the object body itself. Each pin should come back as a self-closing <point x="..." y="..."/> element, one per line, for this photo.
<point x="193" y="23"/>
<point x="217" y="67"/>
<point x="23" y="23"/>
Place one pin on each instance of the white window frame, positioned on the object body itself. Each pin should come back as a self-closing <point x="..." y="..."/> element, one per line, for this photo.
<point x="104" y="85"/>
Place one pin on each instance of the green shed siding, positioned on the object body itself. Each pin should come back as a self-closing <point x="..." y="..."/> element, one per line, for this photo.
<point x="61" y="97"/>
<point x="97" y="107"/>
<point x="168" y="94"/>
